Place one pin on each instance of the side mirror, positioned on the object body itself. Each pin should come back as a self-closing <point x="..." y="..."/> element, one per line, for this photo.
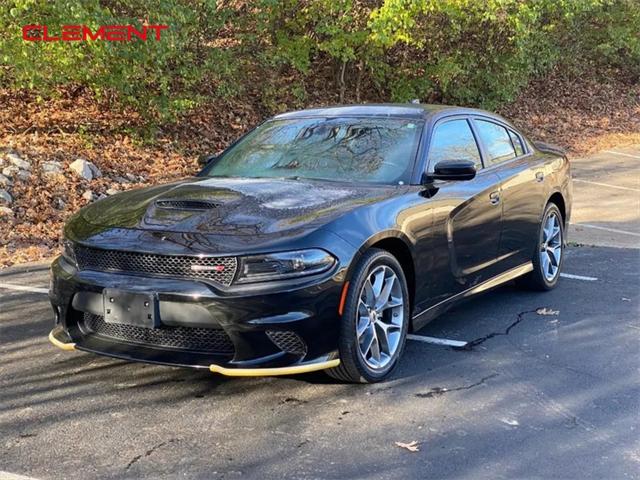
<point x="452" y="170"/>
<point x="204" y="160"/>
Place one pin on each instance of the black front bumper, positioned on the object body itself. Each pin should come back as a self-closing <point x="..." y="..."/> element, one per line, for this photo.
<point x="290" y="329"/>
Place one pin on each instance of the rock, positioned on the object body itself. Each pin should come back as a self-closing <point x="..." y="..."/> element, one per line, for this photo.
<point x="95" y="170"/>
<point x="10" y="171"/>
<point x="88" y="195"/>
<point x="112" y="191"/>
<point x="131" y="177"/>
<point x="58" y="203"/>
<point x="23" y="175"/>
<point x="18" y="161"/>
<point x="6" y="212"/>
<point x="5" y="181"/>
<point x="120" y="179"/>
<point x="15" y="173"/>
<point x="51" y="168"/>
<point x="84" y="169"/>
<point x="5" y="197"/>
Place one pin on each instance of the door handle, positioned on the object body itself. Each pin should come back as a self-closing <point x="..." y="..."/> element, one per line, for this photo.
<point x="539" y="176"/>
<point x="494" y="198"/>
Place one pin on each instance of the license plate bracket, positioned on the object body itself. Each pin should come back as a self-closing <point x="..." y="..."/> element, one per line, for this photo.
<point x="125" y="307"/>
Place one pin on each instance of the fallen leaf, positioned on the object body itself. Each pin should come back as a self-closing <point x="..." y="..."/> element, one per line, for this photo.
<point x="508" y="421"/>
<point x="412" y="447"/>
<point x="547" y="311"/>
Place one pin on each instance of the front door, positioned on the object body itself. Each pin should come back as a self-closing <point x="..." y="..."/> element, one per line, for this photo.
<point x="467" y="215"/>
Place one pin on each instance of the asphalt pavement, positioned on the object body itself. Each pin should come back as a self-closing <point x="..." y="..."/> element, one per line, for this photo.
<point x="553" y="395"/>
<point x="607" y="198"/>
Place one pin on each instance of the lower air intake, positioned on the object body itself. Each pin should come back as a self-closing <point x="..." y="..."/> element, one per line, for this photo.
<point x="209" y="340"/>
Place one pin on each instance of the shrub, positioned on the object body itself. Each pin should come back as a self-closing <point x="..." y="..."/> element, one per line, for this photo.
<point x="456" y="51"/>
<point x="158" y="78"/>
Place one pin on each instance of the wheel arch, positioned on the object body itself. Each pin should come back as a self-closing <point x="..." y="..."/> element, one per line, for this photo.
<point x="398" y="245"/>
<point x="558" y="199"/>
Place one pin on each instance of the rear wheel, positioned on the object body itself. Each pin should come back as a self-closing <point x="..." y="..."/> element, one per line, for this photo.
<point x="375" y="320"/>
<point x="549" y="255"/>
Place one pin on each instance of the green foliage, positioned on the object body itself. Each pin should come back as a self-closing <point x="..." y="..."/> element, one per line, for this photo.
<point x="455" y="51"/>
<point x="158" y="78"/>
<point x="482" y="53"/>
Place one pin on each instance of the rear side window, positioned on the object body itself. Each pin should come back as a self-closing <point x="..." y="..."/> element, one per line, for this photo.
<point x="453" y="140"/>
<point x="496" y="140"/>
<point x="517" y="143"/>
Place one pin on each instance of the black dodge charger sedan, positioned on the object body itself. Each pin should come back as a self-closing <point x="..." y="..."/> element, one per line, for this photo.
<point x="316" y="241"/>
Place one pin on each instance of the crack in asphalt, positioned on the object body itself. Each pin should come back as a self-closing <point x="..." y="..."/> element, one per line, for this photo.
<point x="437" y="391"/>
<point x="149" y="452"/>
<point x="478" y="341"/>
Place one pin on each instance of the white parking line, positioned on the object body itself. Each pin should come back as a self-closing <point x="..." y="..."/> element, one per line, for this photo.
<point x="606" y="185"/>
<point x="436" y="341"/>
<point x="578" y="277"/>
<point x="623" y="154"/>
<point x="614" y="230"/>
<point x="22" y="288"/>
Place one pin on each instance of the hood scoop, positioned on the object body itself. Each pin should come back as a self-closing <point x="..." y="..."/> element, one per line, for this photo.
<point x="186" y="204"/>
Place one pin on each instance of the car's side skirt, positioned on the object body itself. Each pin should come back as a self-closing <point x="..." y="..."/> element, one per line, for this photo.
<point x="424" y="317"/>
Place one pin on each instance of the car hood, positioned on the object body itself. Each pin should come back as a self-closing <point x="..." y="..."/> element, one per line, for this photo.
<point x="233" y="206"/>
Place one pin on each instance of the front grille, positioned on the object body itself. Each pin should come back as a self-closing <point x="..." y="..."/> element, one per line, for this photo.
<point x="288" y="341"/>
<point x="218" y="269"/>
<point x="209" y="340"/>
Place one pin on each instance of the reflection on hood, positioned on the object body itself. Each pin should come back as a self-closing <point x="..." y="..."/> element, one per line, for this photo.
<point x="233" y="206"/>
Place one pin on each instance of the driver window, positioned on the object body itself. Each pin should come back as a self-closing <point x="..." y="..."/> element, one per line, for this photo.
<point x="453" y="140"/>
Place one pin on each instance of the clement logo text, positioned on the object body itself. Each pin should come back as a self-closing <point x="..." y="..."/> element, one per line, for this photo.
<point x="80" y="33"/>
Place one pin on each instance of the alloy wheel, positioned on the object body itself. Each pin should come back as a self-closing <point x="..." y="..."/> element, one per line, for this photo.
<point x="380" y="317"/>
<point x="551" y="247"/>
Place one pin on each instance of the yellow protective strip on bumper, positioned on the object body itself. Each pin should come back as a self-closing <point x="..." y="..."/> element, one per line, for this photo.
<point x="59" y="344"/>
<point x="267" y="372"/>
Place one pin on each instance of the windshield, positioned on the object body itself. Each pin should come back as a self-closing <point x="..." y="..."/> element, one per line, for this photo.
<point x="372" y="149"/>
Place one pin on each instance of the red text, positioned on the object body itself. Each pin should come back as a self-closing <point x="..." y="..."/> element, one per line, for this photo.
<point x="80" y="33"/>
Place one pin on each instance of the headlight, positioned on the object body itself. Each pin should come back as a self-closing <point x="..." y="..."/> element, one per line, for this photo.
<point x="280" y="266"/>
<point x="67" y="252"/>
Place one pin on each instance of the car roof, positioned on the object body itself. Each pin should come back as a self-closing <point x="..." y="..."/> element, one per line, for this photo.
<point x="405" y="110"/>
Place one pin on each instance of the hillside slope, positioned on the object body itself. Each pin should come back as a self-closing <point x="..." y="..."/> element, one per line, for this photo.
<point x="39" y="140"/>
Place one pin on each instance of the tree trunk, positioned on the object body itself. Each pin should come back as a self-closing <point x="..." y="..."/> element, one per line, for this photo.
<point x="341" y="81"/>
<point x="359" y="81"/>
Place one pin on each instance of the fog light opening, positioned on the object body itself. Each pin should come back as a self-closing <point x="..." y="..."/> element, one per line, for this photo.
<point x="288" y="342"/>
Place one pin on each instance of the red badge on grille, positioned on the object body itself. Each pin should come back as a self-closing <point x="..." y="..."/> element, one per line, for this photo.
<point x="207" y="268"/>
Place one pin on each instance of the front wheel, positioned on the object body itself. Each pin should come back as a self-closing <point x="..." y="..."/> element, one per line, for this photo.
<point x="375" y="320"/>
<point x="549" y="255"/>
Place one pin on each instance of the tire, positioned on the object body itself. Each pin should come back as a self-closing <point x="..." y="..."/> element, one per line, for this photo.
<point x="359" y="364"/>
<point x="545" y="274"/>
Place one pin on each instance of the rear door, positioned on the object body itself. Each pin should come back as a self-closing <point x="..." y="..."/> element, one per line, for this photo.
<point x="522" y="189"/>
<point x="467" y="214"/>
